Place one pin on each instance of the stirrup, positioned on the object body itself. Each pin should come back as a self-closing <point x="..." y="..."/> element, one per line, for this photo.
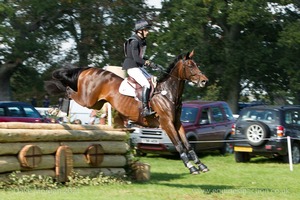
<point x="147" y="112"/>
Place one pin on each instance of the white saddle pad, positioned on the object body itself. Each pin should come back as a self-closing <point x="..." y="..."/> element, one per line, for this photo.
<point x="126" y="89"/>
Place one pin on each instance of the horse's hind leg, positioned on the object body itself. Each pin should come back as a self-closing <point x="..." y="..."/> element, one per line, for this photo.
<point x="191" y="153"/>
<point x="77" y="97"/>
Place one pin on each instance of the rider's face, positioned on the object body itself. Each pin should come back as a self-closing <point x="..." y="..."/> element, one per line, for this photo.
<point x="143" y="33"/>
<point x="146" y="31"/>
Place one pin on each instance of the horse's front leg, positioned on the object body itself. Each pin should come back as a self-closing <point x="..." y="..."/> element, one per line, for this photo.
<point x="186" y="160"/>
<point x="172" y="133"/>
<point x="190" y="151"/>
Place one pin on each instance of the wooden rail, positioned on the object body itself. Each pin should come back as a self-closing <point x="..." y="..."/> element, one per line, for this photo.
<point x="58" y="149"/>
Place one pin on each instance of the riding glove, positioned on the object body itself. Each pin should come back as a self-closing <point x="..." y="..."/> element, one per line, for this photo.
<point x="148" y="63"/>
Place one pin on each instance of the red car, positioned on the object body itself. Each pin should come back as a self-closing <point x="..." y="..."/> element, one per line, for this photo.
<point x="14" y="111"/>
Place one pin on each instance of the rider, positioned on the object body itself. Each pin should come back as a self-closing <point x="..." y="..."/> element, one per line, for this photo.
<point x="134" y="50"/>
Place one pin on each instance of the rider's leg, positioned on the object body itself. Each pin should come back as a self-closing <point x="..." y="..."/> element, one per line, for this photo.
<point x="139" y="76"/>
<point x="145" y="99"/>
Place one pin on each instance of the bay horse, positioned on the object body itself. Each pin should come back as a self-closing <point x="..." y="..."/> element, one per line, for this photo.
<point x="92" y="87"/>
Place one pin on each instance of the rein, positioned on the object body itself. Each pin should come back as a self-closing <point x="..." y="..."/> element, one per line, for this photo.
<point x="177" y="77"/>
<point x="184" y="71"/>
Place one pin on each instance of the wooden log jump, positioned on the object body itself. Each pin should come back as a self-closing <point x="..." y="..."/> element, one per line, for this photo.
<point x="58" y="149"/>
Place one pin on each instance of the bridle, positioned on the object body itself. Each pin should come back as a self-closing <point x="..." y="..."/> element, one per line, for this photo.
<point x="190" y="69"/>
<point x="184" y="63"/>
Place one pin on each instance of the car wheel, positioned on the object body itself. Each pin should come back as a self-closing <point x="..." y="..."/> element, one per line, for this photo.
<point x="193" y="143"/>
<point x="295" y="154"/>
<point x="241" y="157"/>
<point x="226" y="148"/>
<point x="257" y="133"/>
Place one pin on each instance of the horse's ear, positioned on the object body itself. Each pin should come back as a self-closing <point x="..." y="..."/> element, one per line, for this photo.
<point x="191" y="54"/>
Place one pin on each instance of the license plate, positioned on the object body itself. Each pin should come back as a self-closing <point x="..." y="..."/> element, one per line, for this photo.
<point x="150" y="141"/>
<point x="243" y="149"/>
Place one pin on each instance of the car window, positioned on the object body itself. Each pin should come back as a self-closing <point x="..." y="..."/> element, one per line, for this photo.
<point x="261" y="115"/>
<point x="31" y="113"/>
<point x="2" y="112"/>
<point x="217" y="114"/>
<point x="204" y="118"/>
<point x="14" y="111"/>
<point x="292" y="117"/>
<point x="228" y="112"/>
<point x="188" y="115"/>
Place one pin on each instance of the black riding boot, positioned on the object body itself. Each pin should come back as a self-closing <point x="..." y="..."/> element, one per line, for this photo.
<point x="145" y="99"/>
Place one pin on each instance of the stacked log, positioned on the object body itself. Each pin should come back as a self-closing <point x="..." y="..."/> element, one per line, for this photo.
<point x="58" y="149"/>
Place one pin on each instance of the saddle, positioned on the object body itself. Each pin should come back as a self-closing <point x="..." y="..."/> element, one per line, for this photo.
<point x="129" y="87"/>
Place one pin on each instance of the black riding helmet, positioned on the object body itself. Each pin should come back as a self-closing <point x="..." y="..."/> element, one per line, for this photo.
<point x="141" y="25"/>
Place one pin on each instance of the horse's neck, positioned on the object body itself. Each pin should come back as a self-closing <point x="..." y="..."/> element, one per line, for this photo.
<point x="174" y="88"/>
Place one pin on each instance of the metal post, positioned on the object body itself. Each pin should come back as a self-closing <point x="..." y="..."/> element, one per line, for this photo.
<point x="290" y="152"/>
<point x="109" y="114"/>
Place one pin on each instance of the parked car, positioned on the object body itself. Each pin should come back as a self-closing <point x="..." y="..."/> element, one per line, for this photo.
<point x="263" y="130"/>
<point x="14" y="111"/>
<point x="207" y="124"/>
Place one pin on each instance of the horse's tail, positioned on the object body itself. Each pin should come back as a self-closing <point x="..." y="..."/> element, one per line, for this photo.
<point x="62" y="78"/>
<point x="54" y="87"/>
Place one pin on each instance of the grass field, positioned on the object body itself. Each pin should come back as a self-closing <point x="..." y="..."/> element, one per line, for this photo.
<point x="260" y="179"/>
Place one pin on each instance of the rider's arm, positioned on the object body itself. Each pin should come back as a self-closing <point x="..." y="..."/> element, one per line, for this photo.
<point x="135" y="53"/>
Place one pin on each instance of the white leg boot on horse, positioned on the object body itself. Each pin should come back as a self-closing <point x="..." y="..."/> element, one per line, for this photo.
<point x="188" y="164"/>
<point x="194" y="157"/>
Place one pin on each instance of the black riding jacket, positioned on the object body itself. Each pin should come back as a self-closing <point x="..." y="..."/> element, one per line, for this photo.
<point x="134" y="50"/>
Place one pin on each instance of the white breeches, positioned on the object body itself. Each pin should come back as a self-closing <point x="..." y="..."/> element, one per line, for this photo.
<point x="140" y="75"/>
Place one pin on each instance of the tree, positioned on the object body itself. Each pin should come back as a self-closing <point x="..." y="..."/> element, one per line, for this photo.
<point x="27" y="34"/>
<point x="32" y="32"/>
<point x="26" y="83"/>
<point x="236" y="42"/>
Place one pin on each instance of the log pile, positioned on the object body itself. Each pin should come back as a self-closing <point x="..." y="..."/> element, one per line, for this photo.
<point x="58" y="149"/>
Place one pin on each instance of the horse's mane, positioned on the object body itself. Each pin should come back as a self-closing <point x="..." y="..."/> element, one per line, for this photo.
<point x="169" y="69"/>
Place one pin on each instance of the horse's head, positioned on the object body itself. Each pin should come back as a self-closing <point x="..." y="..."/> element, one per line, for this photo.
<point x="189" y="71"/>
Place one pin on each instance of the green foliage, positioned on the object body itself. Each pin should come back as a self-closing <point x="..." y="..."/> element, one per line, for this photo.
<point x="26" y="83"/>
<point x="28" y="182"/>
<point x="75" y="180"/>
<point x="37" y="182"/>
<point x="238" y="44"/>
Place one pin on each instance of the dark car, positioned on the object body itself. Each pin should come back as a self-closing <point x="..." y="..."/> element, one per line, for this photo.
<point x="14" y="111"/>
<point x="263" y="130"/>
<point x="206" y="123"/>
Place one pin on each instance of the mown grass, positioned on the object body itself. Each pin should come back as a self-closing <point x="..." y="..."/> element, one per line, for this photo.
<point x="260" y="179"/>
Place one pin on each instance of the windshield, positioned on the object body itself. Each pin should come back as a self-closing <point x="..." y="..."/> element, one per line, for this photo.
<point x="188" y="115"/>
<point x="31" y="113"/>
<point x="260" y="115"/>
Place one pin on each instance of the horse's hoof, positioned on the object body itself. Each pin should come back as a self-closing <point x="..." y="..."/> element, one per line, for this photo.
<point x="193" y="170"/>
<point x="203" y="168"/>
